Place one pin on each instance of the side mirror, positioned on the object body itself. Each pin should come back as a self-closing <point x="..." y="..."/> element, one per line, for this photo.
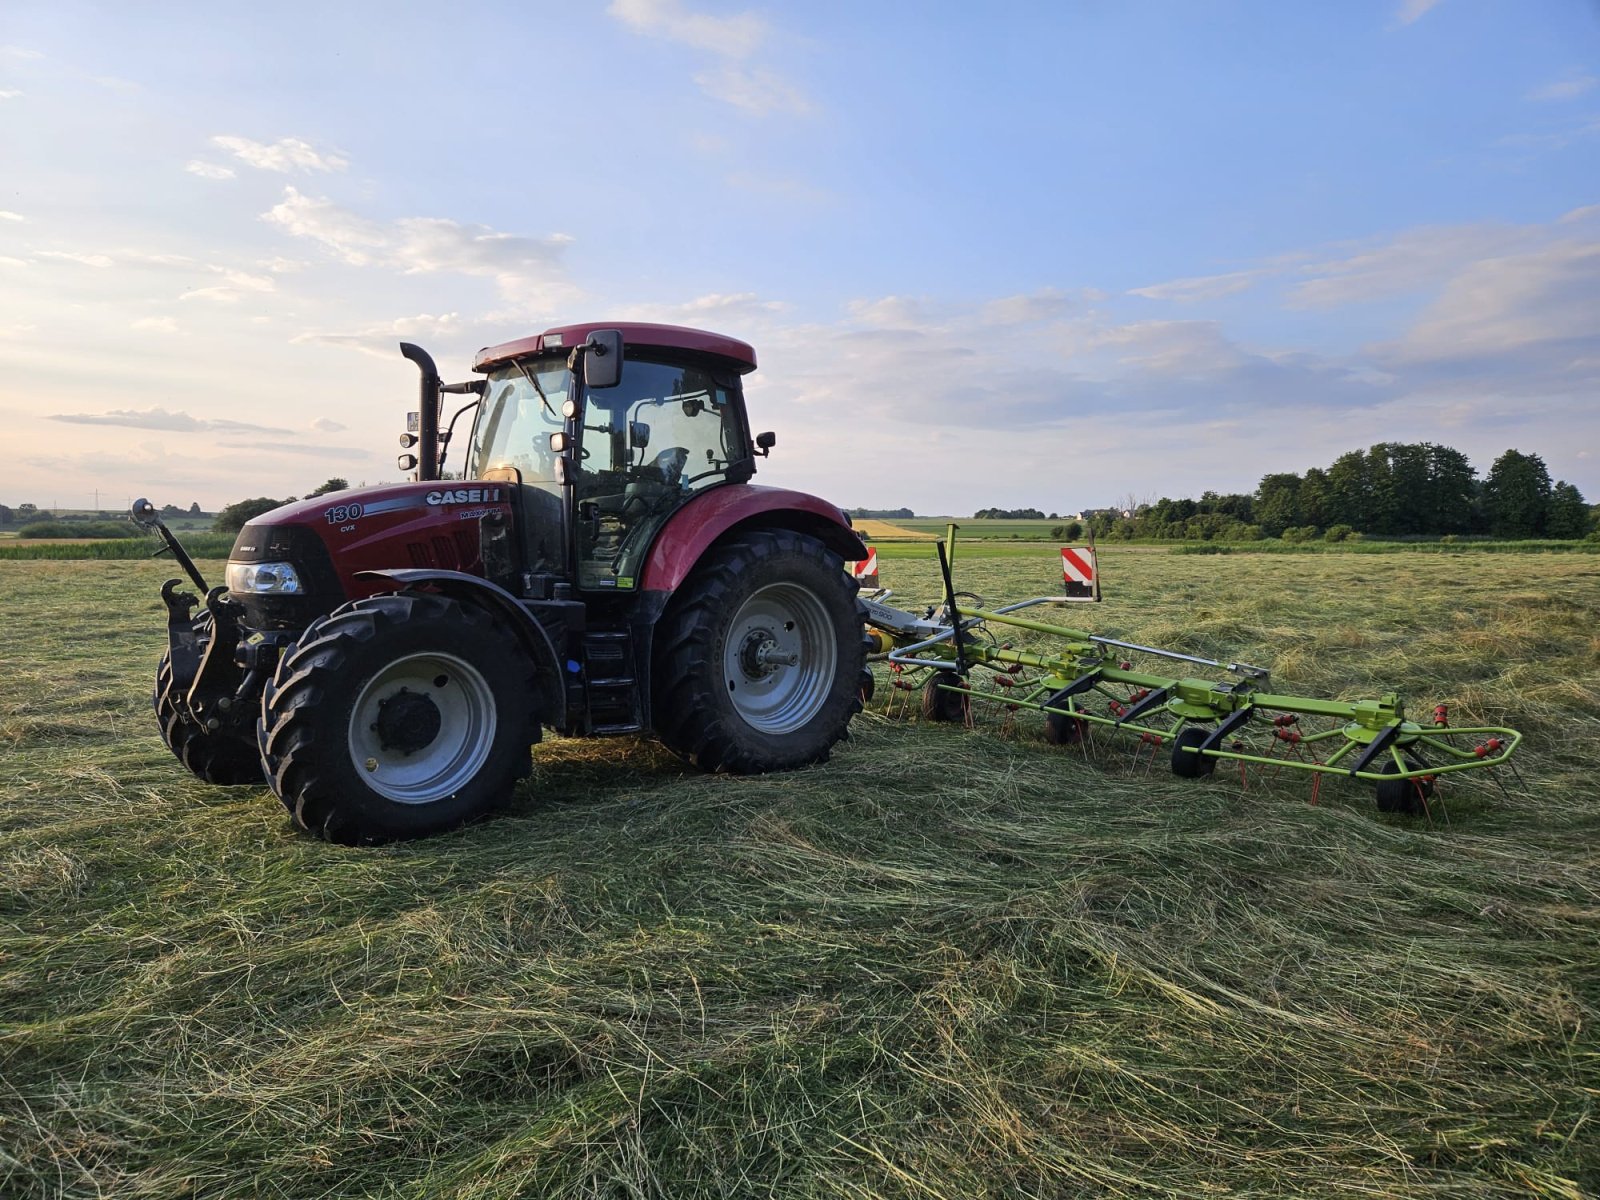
<point x="602" y="359"/>
<point x="407" y="462"/>
<point x="638" y="434"/>
<point x="765" y="442"/>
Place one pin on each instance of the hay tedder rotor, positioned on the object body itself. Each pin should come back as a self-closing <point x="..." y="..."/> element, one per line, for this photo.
<point x="1088" y="690"/>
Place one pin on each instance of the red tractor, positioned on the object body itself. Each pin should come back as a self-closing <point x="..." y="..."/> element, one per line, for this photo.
<point x="599" y="563"/>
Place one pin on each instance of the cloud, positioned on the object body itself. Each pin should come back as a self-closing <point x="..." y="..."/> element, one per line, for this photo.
<point x="208" y="170"/>
<point x="1200" y="287"/>
<point x="757" y="91"/>
<point x="11" y="216"/>
<point x="9" y="93"/>
<point x="1564" y="89"/>
<point x="19" y="52"/>
<point x="327" y="425"/>
<point x="380" y="340"/>
<point x="1410" y="261"/>
<point x="344" y="453"/>
<point x="353" y="239"/>
<point x="1530" y="316"/>
<point x="156" y="325"/>
<point x="526" y="269"/>
<point x="736" y="36"/>
<point x="160" y="418"/>
<point x="1572" y="132"/>
<point x="1413" y="10"/>
<point x="98" y="261"/>
<point x="285" y="155"/>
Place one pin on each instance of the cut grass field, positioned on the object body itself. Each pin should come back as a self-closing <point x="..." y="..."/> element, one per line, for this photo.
<point x="945" y="964"/>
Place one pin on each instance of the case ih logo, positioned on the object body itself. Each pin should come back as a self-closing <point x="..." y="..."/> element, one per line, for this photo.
<point x="464" y="496"/>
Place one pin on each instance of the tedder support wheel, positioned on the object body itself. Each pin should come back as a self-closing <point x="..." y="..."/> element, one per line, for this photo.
<point x="1064" y="731"/>
<point x="225" y="756"/>
<point x="939" y="703"/>
<point x="1186" y="764"/>
<point x="758" y="658"/>
<point x="1409" y="796"/>
<point x="398" y="716"/>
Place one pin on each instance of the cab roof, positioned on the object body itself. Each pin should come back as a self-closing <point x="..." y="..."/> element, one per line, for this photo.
<point x="741" y="355"/>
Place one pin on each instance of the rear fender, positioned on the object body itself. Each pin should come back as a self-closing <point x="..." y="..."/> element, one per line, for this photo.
<point x="470" y="589"/>
<point x="738" y="508"/>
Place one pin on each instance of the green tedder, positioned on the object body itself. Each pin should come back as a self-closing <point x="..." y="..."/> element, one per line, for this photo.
<point x="1088" y="687"/>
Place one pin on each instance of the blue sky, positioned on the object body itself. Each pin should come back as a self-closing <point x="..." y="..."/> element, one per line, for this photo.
<point x="1032" y="254"/>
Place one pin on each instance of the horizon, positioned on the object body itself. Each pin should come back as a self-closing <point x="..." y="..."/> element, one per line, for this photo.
<point x="1096" y="251"/>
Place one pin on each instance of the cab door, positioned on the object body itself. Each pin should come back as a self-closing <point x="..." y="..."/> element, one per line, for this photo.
<point x="666" y="431"/>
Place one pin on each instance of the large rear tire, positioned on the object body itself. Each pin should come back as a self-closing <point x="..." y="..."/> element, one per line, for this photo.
<point x="758" y="658"/>
<point x="225" y="757"/>
<point x="398" y="716"/>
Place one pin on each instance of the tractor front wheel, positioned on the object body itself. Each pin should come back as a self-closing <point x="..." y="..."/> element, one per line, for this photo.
<point x="398" y="716"/>
<point x="758" y="658"/>
<point x="226" y="757"/>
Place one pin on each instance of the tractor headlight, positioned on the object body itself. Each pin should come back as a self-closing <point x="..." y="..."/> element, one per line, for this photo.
<point x="263" y="579"/>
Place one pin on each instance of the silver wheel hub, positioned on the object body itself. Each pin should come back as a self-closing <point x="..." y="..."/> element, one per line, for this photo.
<point x="780" y="658"/>
<point x="422" y="727"/>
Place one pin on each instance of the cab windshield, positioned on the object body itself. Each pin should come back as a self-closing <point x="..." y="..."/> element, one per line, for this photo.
<point x="521" y="409"/>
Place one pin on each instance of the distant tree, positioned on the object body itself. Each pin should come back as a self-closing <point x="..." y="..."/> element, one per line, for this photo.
<point x="1452" y="491"/>
<point x="194" y="509"/>
<point x="24" y="511"/>
<point x="1277" y="505"/>
<point x="236" y="515"/>
<point x="333" y="485"/>
<point x="171" y="510"/>
<point x="1349" y="493"/>
<point x="1568" y="515"/>
<point x="1313" y="497"/>
<point x="1009" y="514"/>
<point x="6" y="515"/>
<point x="876" y="514"/>
<point x="1516" y="495"/>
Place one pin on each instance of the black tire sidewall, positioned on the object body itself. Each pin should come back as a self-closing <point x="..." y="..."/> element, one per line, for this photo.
<point x="319" y="779"/>
<point x="719" y="737"/>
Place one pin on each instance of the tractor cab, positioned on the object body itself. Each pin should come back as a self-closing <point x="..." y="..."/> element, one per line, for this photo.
<point x="601" y="459"/>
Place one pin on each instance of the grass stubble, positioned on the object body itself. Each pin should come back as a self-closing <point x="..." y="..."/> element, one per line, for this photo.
<point x="945" y="964"/>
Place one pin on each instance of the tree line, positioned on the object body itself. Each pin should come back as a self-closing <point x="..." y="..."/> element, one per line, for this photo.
<point x="1393" y="489"/>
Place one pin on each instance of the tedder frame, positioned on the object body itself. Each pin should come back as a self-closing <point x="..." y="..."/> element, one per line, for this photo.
<point x="1085" y="685"/>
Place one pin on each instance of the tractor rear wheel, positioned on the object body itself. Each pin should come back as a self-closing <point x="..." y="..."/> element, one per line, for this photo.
<point x="225" y="757"/>
<point x="398" y="716"/>
<point x="758" y="658"/>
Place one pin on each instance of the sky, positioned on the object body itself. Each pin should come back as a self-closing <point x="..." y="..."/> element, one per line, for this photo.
<point x="1056" y="255"/>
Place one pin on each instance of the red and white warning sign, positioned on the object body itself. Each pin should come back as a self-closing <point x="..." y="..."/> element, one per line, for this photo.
<point x="867" y="569"/>
<point x="1079" y="573"/>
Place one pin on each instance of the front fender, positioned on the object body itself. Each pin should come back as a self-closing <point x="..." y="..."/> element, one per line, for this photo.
<point x="693" y="529"/>
<point x="470" y="589"/>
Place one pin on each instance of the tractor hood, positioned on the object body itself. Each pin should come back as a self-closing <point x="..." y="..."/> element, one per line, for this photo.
<point x="331" y="538"/>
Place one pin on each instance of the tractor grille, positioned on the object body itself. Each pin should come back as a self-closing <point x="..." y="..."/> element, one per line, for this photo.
<point x="457" y="552"/>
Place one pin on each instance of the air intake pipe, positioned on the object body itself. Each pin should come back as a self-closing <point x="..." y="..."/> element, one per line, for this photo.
<point x="428" y="415"/>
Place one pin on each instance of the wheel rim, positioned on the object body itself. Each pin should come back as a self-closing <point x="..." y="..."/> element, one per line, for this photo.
<point x="780" y="658"/>
<point x="441" y="737"/>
